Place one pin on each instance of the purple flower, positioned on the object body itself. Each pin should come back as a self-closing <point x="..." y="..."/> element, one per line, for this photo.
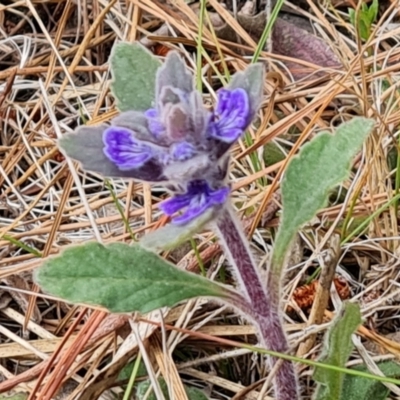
<point x="126" y="152"/>
<point x="198" y="198"/>
<point x="231" y="116"/>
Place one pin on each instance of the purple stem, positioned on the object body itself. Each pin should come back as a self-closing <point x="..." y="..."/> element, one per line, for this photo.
<point x="263" y="301"/>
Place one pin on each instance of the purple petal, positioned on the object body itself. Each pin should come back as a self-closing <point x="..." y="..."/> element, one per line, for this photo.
<point x="227" y="134"/>
<point x="182" y="151"/>
<point x="202" y="202"/>
<point x="198" y="198"/>
<point x="86" y="145"/>
<point x="191" y="213"/>
<point x="124" y="150"/>
<point x="251" y="80"/>
<point x="231" y="116"/>
<point x="154" y="123"/>
<point x="175" y="204"/>
<point x="219" y="196"/>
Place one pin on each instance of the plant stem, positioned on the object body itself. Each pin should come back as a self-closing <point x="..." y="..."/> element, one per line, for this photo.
<point x="263" y="302"/>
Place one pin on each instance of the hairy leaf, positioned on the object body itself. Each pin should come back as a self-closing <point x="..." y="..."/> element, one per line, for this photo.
<point x="338" y="347"/>
<point x="134" y="70"/>
<point x="121" y="278"/>
<point x="320" y="165"/>
<point x="360" y="388"/>
<point x="174" y="74"/>
<point x="170" y="236"/>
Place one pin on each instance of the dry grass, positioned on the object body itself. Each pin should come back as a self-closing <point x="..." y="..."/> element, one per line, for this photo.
<point x="53" y="74"/>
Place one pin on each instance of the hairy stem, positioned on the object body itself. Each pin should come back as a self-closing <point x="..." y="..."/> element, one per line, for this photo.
<point x="263" y="301"/>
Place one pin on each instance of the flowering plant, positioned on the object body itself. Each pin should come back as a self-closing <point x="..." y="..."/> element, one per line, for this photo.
<point x="178" y="142"/>
<point x="172" y="139"/>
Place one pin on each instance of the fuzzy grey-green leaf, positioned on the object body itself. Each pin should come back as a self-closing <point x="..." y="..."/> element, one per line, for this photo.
<point x="134" y="70"/>
<point x="338" y="347"/>
<point x="360" y="388"/>
<point x="121" y="278"/>
<point x="171" y="236"/>
<point x="321" y="164"/>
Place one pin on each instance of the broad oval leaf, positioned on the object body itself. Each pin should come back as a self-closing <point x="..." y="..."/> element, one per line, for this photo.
<point x="321" y="164"/>
<point x="121" y="278"/>
<point x="134" y="70"/>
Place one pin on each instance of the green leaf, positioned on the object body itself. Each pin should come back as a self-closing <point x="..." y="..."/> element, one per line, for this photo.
<point x="134" y="71"/>
<point x="120" y="278"/>
<point x="15" y="396"/>
<point x="171" y="236"/>
<point x="352" y="16"/>
<point x="338" y="347"/>
<point x="195" y="394"/>
<point x="360" y="388"/>
<point x="364" y="27"/>
<point x="272" y="154"/>
<point x="366" y="17"/>
<point x="373" y="11"/>
<point x="144" y="386"/>
<point x="126" y="372"/>
<point x="191" y="392"/>
<point x="321" y="164"/>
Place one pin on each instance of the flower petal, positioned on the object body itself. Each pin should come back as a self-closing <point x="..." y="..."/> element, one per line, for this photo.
<point x="202" y="202"/>
<point x="124" y="150"/>
<point x="191" y="213"/>
<point x="251" y="80"/>
<point x="231" y="115"/>
<point x="175" y="204"/>
<point x="198" y="198"/>
<point x="219" y="196"/>
<point x="182" y="151"/>
<point x="86" y="146"/>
